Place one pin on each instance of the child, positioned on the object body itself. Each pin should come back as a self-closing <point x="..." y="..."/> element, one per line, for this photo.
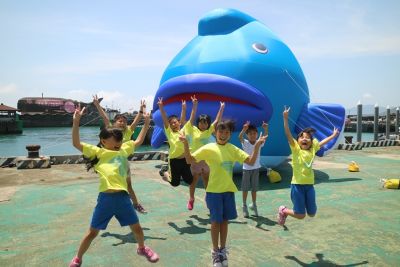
<point x="198" y="136"/>
<point x="251" y="174"/>
<point x="220" y="198"/>
<point x="302" y="187"/>
<point x="111" y="163"/>
<point x="120" y="121"/>
<point x="176" y="159"/>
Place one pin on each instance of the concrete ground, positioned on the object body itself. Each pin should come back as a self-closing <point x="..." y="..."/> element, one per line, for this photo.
<point x="44" y="214"/>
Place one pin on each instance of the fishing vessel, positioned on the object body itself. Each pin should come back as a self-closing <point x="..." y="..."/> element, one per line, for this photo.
<point x="54" y="112"/>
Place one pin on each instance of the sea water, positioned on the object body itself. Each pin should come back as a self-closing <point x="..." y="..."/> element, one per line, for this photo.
<point x="53" y="141"/>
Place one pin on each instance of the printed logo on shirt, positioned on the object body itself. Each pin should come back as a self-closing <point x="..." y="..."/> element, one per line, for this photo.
<point x="121" y="163"/>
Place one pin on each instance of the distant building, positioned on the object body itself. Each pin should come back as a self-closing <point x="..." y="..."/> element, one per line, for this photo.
<point x="9" y="120"/>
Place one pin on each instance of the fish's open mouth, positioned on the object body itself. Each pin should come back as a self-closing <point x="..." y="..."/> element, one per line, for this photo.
<point x="242" y="101"/>
<point x="206" y="97"/>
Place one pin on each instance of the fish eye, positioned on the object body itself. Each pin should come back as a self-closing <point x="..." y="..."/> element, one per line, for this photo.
<point x="260" y="48"/>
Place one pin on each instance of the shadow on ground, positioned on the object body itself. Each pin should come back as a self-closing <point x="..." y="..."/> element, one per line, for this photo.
<point x="322" y="262"/>
<point x="128" y="238"/>
<point x="285" y="170"/>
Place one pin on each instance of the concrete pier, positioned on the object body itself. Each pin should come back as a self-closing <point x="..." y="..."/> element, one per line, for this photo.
<point x="45" y="213"/>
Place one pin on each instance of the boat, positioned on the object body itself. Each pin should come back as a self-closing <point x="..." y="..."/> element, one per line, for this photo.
<point x="55" y="112"/>
<point x="10" y="122"/>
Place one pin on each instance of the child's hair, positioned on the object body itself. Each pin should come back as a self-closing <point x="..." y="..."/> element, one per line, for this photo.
<point x="204" y="118"/>
<point x="227" y="124"/>
<point x="105" y="133"/>
<point x="120" y="116"/>
<point x="308" y="130"/>
<point x="251" y="128"/>
<point x="172" y="117"/>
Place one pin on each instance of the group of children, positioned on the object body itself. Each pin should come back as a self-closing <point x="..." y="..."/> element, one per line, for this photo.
<point x="192" y="154"/>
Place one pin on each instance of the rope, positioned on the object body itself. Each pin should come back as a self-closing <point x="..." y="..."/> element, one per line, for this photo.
<point x="304" y="92"/>
<point x="57" y="141"/>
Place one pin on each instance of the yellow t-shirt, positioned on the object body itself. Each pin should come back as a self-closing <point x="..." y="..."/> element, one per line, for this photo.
<point x="175" y="145"/>
<point x="302" y="163"/>
<point x="220" y="159"/>
<point x="127" y="134"/>
<point x="197" y="138"/>
<point x="112" y="166"/>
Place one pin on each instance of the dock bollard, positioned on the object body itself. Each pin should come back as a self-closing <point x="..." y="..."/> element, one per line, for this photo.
<point x="33" y="151"/>
<point x="33" y="160"/>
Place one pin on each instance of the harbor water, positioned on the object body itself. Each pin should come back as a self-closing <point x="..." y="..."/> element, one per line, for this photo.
<point x="54" y="141"/>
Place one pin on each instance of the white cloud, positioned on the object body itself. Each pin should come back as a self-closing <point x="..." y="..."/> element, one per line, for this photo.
<point x="9" y="94"/>
<point x="10" y="88"/>
<point x="81" y="95"/>
<point x="367" y="96"/>
<point x="117" y="100"/>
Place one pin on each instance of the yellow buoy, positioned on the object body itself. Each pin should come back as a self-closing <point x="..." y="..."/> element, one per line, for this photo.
<point x="353" y="167"/>
<point x="274" y="176"/>
<point x="391" y="183"/>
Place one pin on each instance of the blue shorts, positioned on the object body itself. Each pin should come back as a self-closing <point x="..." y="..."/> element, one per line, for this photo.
<point x="222" y="206"/>
<point x="303" y="198"/>
<point x="113" y="204"/>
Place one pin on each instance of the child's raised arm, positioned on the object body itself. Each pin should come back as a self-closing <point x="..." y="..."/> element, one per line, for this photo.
<point x="163" y="113"/>
<point x="76" y="142"/>
<point x="219" y="114"/>
<point x="244" y="129"/>
<point x="252" y="159"/>
<point x="329" y="138"/>
<point x="101" y="111"/>
<point x="194" y="109"/>
<point x="188" y="156"/>
<point x="139" y="140"/>
<point x="286" y="126"/>
<point x="183" y="113"/>
<point x="265" y="127"/>
<point x="138" y="116"/>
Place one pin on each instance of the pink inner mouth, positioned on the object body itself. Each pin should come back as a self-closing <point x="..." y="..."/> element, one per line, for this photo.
<point x="206" y="97"/>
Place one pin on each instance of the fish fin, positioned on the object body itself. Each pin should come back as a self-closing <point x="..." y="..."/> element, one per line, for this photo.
<point x="323" y="118"/>
<point x="158" y="137"/>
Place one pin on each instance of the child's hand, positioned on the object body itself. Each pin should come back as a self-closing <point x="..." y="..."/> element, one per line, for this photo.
<point x="78" y="113"/>
<point x="182" y="137"/>
<point x="261" y="139"/>
<point x="142" y="106"/>
<point x="286" y="113"/>
<point x="222" y="105"/>
<point x="265" y="126"/>
<point x="335" y="132"/>
<point x="146" y="117"/>
<point x="96" y="100"/>
<point x="194" y="100"/>
<point x="246" y="126"/>
<point x="160" y="103"/>
<point x="183" y="103"/>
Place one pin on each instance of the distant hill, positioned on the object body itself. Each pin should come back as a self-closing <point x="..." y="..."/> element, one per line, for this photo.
<point x="369" y="110"/>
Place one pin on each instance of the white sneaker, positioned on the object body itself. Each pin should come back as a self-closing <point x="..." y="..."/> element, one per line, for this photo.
<point x="253" y="207"/>
<point x="223" y="255"/>
<point x="245" y="211"/>
<point x="216" y="259"/>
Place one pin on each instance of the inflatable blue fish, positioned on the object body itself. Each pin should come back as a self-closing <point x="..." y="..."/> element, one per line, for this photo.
<point x="238" y="60"/>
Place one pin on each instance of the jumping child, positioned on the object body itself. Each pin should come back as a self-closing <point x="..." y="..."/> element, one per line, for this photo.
<point x="199" y="135"/>
<point x="110" y="161"/>
<point x="250" y="178"/>
<point x="302" y="186"/>
<point x="177" y="164"/>
<point x="221" y="157"/>
<point x="120" y="121"/>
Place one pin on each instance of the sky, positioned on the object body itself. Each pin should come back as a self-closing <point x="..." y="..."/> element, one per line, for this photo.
<point x="349" y="50"/>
